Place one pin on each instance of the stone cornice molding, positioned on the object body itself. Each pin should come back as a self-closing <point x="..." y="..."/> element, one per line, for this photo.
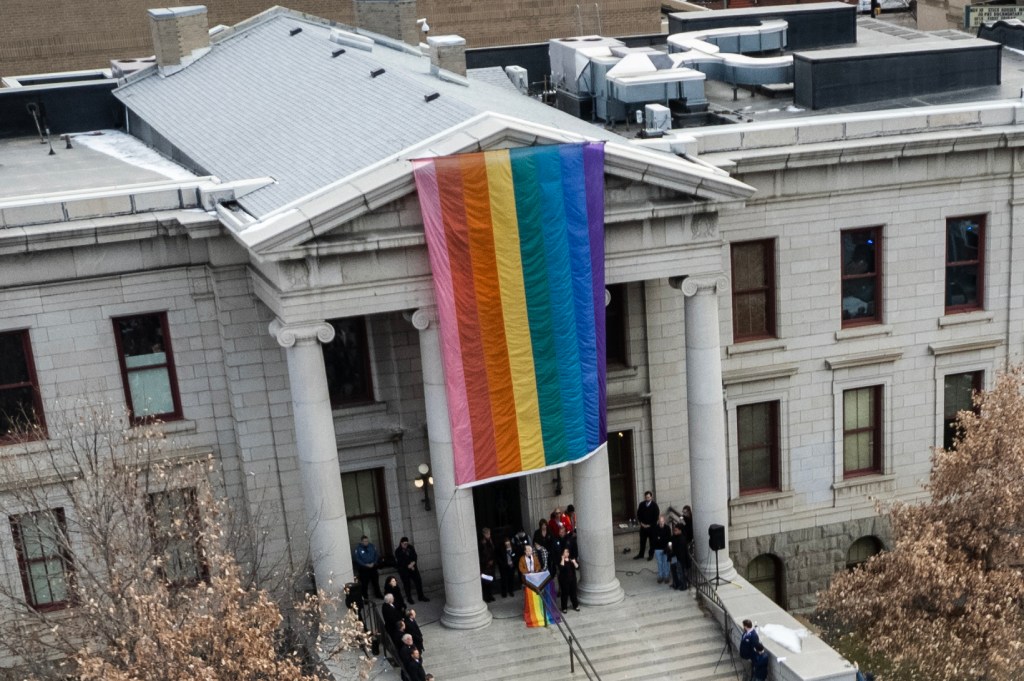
<point x="691" y="286"/>
<point x="287" y="335"/>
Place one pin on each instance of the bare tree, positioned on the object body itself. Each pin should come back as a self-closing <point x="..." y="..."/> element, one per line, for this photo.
<point x="947" y="601"/>
<point x="124" y="566"/>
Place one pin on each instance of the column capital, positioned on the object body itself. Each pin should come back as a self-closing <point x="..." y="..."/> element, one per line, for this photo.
<point x="691" y="286"/>
<point x="422" y="317"/>
<point x="287" y="335"/>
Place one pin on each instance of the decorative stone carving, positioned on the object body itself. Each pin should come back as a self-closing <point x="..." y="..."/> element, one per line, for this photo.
<point x="703" y="225"/>
<point x="287" y="335"/>
<point x="296" y="273"/>
<point x="423" y="317"/>
<point x="691" y="286"/>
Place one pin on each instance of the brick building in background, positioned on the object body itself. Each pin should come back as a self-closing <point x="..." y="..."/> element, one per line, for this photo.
<point x="88" y="34"/>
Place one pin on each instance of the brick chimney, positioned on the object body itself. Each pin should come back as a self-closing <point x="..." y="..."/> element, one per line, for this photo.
<point x="180" y="36"/>
<point x="447" y="52"/>
<point x="393" y="18"/>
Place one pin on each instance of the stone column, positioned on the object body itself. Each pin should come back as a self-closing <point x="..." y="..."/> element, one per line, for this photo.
<point x="317" y="449"/>
<point x="592" y="491"/>
<point x="709" y="473"/>
<point x="464" y="606"/>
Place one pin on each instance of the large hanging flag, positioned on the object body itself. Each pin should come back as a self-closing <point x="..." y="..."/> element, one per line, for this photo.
<point x="516" y="244"/>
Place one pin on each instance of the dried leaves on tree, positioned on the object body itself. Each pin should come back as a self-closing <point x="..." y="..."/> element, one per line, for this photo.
<point x="947" y="601"/>
<point x="138" y="582"/>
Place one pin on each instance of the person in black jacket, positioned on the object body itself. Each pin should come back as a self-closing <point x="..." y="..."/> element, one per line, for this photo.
<point x="412" y="627"/>
<point x="567" y="567"/>
<point x="660" y="535"/>
<point x="408" y="570"/>
<point x="679" y="561"/>
<point x="647" y="515"/>
<point x="508" y="566"/>
<point x="391" y="587"/>
<point x="392" y="615"/>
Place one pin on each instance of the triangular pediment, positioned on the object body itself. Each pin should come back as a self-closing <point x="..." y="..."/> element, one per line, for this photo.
<point x="296" y="229"/>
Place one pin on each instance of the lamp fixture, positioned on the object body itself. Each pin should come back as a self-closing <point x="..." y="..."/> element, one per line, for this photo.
<point x="424" y="481"/>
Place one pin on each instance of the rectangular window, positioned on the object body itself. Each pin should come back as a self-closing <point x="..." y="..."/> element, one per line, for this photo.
<point x="44" y="558"/>
<point x="958" y="396"/>
<point x="366" y="508"/>
<point x="862" y="431"/>
<point x="965" y="263"/>
<point x="616" y="328"/>
<point x="620" y="475"/>
<point x="147" y="367"/>
<point x="757" y="426"/>
<point x="175" y="529"/>
<point x="861" y="276"/>
<point x="21" y="409"/>
<point x="753" y="290"/>
<point x="347" y="361"/>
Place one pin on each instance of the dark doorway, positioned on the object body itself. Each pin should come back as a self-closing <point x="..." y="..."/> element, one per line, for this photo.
<point x="620" y="475"/>
<point x="497" y="506"/>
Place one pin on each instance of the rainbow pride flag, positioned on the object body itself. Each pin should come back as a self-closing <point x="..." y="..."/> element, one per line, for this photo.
<point x="516" y="244"/>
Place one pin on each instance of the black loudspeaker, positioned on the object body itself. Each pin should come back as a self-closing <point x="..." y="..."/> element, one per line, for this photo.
<point x="716" y="537"/>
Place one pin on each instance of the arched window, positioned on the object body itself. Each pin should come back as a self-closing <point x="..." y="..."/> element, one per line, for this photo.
<point x="767" y="573"/>
<point x="861" y="550"/>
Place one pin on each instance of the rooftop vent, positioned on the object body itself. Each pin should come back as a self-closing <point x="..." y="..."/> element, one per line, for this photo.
<point x="349" y="39"/>
<point x="295" y="31"/>
<point x="376" y="72"/>
<point x="447" y="52"/>
<point x="431" y="97"/>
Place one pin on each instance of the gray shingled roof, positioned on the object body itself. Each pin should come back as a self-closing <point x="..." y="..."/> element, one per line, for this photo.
<point x="263" y="102"/>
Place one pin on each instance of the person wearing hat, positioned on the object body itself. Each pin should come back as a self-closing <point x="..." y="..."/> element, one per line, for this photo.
<point x="408" y="570"/>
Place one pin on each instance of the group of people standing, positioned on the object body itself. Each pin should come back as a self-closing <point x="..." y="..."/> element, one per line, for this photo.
<point x="400" y="622"/>
<point x="552" y="549"/>
<point x="669" y="544"/>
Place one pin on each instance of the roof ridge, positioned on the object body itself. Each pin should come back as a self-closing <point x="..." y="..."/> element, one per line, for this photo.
<point x="271" y="13"/>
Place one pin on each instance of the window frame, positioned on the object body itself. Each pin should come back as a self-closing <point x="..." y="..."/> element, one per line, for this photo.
<point x="979" y="303"/>
<point x="160" y="539"/>
<point x="63" y="554"/>
<point x="769" y="290"/>
<point x="878" y="416"/>
<point x="977" y="385"/>
<point x="363" y="334"/>
<point x="774" y="445"/>
<point x="383" y="543"/>
<point x="169" y="364"/>
<point x="617" y="321"/>
<point x="33" y="382"/>
<point x="877" y="276"/>
<point x="628" y="474"/>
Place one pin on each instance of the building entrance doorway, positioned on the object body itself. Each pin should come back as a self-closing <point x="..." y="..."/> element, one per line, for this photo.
<point x="497" y="506"/>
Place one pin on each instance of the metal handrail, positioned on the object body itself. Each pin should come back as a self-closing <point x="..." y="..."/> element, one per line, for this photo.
<point x="701" y="582"/>
<point x="576" y="651"/>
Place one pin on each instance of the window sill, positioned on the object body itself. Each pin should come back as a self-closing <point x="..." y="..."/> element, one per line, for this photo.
<point x="864" y="484"/>
<point x="748" y="347"/>
<point x="973" y="317"/>
<point x="620" y="372"/>
<point x="28" y="447"/>
<point x="760" y="502"/>
<point x="864" y="331"/>
<point x="358" y="409"/>
<point x="164" y="427"/>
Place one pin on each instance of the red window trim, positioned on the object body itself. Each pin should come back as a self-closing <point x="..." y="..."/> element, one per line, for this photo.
<point x="876" y="427"/>
<point x="773" y="425"/>
<point x="768" y="290"/>
<point x="876" y="275"/>
<point x="67" y="563"/>
<point x="980" y="262"/>
<point x="172" y="373"/>
<point x="33" y="381"/>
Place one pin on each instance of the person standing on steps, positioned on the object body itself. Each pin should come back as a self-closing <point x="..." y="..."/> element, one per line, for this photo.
<point x="366" y="558"/>
<point x="508" y="562"/>
<point x="660" y="535"/>
<point x="679" y="563"/>
<point x="487" y="565"/>
<point x="749" y="641"/>
<point x="647" y="515"/>
<point x="408" y="570"/>
<point x="567" y="567"/>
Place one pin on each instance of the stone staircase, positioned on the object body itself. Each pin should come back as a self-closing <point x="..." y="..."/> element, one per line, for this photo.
<point x="655" y="633"/>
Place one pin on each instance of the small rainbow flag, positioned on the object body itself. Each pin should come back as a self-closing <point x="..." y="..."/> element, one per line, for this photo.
<point x="516" y="244"/>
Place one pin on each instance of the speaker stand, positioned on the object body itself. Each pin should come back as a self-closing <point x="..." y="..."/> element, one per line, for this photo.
<point x="718" y="580"/>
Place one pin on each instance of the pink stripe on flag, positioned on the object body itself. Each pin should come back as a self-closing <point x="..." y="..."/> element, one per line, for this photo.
<point x="451" y="352"/>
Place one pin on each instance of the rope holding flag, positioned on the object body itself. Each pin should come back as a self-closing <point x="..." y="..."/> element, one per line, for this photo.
<point x="516" y="245"/>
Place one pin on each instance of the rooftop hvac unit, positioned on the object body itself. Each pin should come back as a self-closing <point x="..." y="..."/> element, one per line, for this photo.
<point x="519" y="77"/>
<point x="657" y="119"/>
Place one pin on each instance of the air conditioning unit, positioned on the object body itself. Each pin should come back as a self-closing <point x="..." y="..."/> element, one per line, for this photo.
<point x="519" y="77"/>
<point x="657" y="120"/>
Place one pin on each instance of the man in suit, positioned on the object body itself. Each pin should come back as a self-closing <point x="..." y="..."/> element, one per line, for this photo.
<point x="391" y="614"/>
<point x="412" y="627"/>
<point x="647" y="515"/>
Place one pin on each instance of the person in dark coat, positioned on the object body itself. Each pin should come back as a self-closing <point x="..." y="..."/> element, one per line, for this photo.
<point x="660" y="535"/>
<point x="408" y="569"/>
<point x="391" y="587"/>
<point x="749" y="641"/>
<point x="391" y="614"/>
<point x="415" y="666"/>
<point x="487" y="565"/>
<point x="365" y="559"/>
<point x="678" y="550"/>
<point x="542" y="535"/>
<point x="759" y="670"/>
<point x="412" y="627"/>
<point x="405" y="652"/>
<point x="567" y="567"/>
<point x="647" y="515"/>
<point x="508" y="563"/>
<point x="354" y="599"/>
